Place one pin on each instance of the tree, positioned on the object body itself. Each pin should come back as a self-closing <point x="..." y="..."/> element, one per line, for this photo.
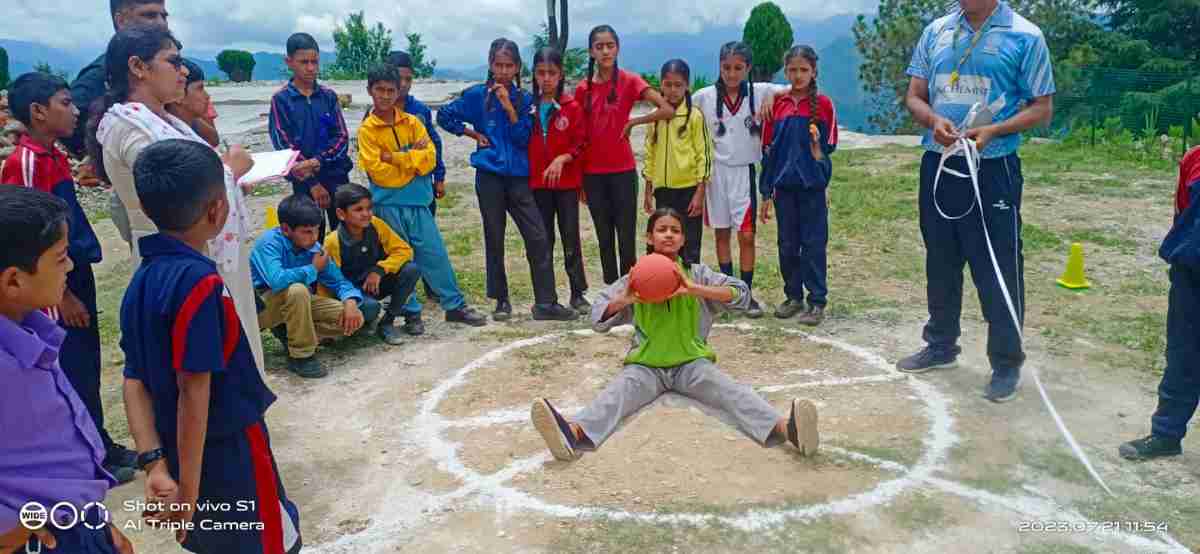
<point x="421" y="68"/>
<point x="45" y="68"/>
<point x="769" y="35"/>
<point x="574" y="59"/>
<point x="237" y="64"/>
<point x="360" y="48"/>
<point x="887" y="43"/>
<point x="1172" y="27"/>
<point x="557" y="35"/>
<point x="3" y="68"/>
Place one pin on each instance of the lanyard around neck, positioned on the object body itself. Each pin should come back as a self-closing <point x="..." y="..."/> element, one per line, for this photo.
<point x="954" y="75"/>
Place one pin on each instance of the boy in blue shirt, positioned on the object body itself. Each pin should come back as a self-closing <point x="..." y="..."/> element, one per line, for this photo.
<point x="194" y="397"/>
<point x="43" y="104"/>
<point x="285" y="264"/>
<point x="307" y="117"/>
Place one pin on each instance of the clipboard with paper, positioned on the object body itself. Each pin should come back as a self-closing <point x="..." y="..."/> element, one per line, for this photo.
<point x="270" y="165"/>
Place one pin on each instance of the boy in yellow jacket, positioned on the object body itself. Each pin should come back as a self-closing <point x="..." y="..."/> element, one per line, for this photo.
<point x="395" y="151"/>
<point x="679" y="160"/>
<point x="373" y="258"/>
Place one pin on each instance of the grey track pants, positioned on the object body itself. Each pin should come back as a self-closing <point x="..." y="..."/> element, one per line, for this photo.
<point x="700" y="380"/>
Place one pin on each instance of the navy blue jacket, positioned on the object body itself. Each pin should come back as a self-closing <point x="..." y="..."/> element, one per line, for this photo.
<point x="788" y="162"/>
<point x="314" y="126"/>
<point x="1182" y="244"/>
<point x="508" y="154"/>
<point x="178" y="317"/>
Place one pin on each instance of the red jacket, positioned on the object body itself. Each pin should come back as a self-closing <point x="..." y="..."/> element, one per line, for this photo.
<point x="1189" y="175"/>
<point x="567" y="135"/>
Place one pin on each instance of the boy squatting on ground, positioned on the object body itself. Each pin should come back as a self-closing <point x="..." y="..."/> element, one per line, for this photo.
<point x="395" y="152"/>
<point x="50" y="451"/>
<point x="43" y="104"/>
<point x="1179" y="391"/>
<point x="373" y="258"/>
<point x="285" y="264"/>
<point x="670" y="353"/>
<point x="194" y="397"/>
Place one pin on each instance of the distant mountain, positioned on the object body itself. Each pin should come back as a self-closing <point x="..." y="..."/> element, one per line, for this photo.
<point x="839" y="80"/>
<point x="23" y="56"/>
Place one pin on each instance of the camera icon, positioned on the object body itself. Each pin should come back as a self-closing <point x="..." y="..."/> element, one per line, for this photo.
<point x="34" y="516"/>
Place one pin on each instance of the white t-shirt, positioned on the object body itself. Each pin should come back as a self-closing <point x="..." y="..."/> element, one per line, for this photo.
<point x="738" y="147"/>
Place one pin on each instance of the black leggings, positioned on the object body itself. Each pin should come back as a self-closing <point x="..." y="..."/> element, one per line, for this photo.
<point x="693" y="227"/>
<point x="612" y="200"/>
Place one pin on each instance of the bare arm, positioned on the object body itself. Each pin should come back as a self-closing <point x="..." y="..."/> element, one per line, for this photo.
<point x="663" y="110"/>
<point x="917" y="101"/>
<point x="194" y="392"/>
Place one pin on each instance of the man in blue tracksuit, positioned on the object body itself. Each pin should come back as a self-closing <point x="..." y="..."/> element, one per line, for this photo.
<point x="980" y="54"/>
<point x="1179" y="391"/>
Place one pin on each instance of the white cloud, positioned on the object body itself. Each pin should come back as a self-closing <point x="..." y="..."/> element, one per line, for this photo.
<point x="457" y="35"/>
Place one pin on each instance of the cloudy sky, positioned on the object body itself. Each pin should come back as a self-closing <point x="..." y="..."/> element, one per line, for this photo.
<point x="457" y="36"/>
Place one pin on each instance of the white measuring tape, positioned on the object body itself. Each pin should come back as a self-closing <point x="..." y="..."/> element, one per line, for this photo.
<point x="970" y="151"/>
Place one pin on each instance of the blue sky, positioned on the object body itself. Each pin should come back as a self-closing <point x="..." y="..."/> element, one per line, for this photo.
<point x="457" y="35"/>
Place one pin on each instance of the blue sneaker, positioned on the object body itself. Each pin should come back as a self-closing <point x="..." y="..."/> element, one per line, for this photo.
<point x="1003" y="386"/>
<point x="929" y="359"/>
<point x="554" y="430"/>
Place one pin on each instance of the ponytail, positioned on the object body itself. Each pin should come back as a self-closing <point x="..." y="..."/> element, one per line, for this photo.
<point x="136" y="41"/>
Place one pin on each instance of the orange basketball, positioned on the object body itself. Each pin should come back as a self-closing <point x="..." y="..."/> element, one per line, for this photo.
<point x="653" y="278"/>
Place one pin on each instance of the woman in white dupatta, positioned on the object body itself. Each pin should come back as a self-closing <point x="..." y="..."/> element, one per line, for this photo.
<point x="145" y="73"/>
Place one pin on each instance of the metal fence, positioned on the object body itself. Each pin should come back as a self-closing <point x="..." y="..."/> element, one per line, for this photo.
<point x="1105" y="102"/>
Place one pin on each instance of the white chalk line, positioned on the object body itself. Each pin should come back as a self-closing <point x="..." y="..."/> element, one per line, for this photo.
<point x="427" y="427"/>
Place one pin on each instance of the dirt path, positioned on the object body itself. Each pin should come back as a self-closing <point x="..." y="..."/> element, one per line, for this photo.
<point x="427" y="447"/>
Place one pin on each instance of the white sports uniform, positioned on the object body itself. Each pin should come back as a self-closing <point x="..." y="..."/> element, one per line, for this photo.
<point x="730" y="195"/>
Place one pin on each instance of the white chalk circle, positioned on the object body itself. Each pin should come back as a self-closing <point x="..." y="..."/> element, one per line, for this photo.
<point x="430" y="426"/>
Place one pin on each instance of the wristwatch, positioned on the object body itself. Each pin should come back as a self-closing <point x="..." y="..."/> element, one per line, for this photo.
<point x="146" y="458"/>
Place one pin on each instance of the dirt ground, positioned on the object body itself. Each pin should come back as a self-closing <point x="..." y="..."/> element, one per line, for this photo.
<point x="427" y="447"/>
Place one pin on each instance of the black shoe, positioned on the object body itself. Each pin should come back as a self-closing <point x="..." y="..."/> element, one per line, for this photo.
<point x="813" y="316"/>
<point x="467" y="315"/>
<point x="554" y="429"/>
<point x="928" y="359"/>
<point x="414" y="326"/>
<point x="118" y="455"/>
<point x="802" y="427"/>
<point x="1003" y="386"/>
<point x="123" y="474"/>
<point x="554" y="312"/>
<point x="503" y="311"/>
<point x="308" y="368"/>
<point x="1153" y="446"/>
<point x="755" y="311"/>
<point x="581" y="304"/>
<point x="789" y="309"/>
<point x="387" y="331"/>
<point x="280" y="332"/>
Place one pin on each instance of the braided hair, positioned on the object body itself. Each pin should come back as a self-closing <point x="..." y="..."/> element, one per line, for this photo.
<point x="678" y="67"/>
<point x="141" y="41"/>
<point x="809" y="55"/>
<point x="740" y="49"/>
<point x="505" y="46"/>
<point x="612" y="93"/>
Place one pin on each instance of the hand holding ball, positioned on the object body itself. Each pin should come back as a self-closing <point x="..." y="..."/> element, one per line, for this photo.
<point x="654" y="278"/>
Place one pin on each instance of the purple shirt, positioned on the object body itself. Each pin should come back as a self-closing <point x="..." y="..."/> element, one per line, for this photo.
<point x="50" y="451"/>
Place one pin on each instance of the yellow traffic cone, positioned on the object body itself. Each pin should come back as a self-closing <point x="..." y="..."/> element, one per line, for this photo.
<point x="272" y="219"/>
<point x="1073" y="277"/>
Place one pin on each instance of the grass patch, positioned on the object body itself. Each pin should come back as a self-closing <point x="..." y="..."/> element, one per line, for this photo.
<point x="1108" y="238"/>
<point x="919" y="512"/>
<point x="1055" y="462"/>
<point x="823" y="535"/>
<point x="541" y="359"/>
<point x="995" y="479"/>
<point x="1176" y="513"/>
<point x="1054" y="548"/>
<point x="271" y="188"/>
<point x="1142" y="335"/>
<point x="903" y="453"/>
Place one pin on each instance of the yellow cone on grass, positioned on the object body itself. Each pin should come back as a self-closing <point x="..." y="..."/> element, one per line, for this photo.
<point x="272" y="219"/>
<point x="1073" y="278"/>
